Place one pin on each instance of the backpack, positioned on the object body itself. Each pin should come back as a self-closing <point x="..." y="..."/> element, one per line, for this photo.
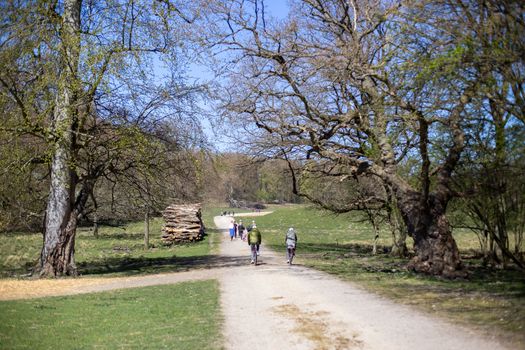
<point x="290" y="235"/>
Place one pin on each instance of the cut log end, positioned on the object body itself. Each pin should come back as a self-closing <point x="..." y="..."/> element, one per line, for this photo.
<point x="183" y="224"/>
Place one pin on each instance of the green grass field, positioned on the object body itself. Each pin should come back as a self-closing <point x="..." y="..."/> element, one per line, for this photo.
<point x="117" y="251"/>
<point x="181" y="316"/>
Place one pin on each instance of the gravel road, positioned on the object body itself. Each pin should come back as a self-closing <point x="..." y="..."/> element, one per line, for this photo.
<point x="276" y="306"/>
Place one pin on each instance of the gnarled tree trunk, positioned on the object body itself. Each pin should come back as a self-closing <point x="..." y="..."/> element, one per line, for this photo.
<point x="435" y="248"/>
<point x="58" y="253"/>
<point x="60" y="257"/>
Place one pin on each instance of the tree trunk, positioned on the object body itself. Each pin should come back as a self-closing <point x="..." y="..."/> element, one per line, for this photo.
<point x="435" y="248"/>
<point x="374" y="246"/>
<point x="399" y="246"/>
<point x="57" y="253"/>
<point x="95" y="225"/>
<point x="397" y="228"/>
<point x="146" y="230"/>
<point x="57" y="256"/>
<point x="62" y="260"/>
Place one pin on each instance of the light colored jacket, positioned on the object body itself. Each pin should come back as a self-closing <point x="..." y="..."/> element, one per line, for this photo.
<point x="291" y="238"/>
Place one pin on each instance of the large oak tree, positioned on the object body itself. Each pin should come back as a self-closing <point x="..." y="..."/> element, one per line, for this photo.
<point x="360" y="88"/>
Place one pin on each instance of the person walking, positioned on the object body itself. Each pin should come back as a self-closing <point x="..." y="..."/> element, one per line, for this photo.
<point x="244" y="234"/>
<point x="290" y="241"/>
<point x="254" y="240"/>
<point x="232" y="230"/>
<point x="240" y="229"/>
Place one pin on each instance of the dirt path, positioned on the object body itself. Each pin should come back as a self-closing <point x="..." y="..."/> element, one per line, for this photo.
<point x="276" y="306"/>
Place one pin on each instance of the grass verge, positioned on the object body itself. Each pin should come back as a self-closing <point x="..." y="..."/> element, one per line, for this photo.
<point x="117" y="251"/>
<point x="180" y="316"/>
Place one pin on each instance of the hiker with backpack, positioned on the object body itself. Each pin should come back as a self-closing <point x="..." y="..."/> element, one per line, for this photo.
<point x="290" y="241"/>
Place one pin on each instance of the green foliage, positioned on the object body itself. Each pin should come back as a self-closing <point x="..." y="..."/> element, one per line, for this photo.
<point x="23" y="188"/>
<point x="444" y="64"/>
<point x="121" y="112"/>
<point x="275" y="183"/>
<point x="181" y="316"/>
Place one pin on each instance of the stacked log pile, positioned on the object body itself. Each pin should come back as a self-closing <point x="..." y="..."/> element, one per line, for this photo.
<point x="183" y="224"/>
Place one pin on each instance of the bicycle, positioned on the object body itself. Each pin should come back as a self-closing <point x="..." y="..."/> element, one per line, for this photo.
<point x="253" y="248"/>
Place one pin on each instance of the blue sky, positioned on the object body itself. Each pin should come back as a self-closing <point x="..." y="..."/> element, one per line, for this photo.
<point x="277" y="8"/>
<point x="274" y="8"/>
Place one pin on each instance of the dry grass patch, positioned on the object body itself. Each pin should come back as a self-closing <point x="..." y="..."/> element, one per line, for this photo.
<point x="314" y="327"/>
<point x="12" y="289"/>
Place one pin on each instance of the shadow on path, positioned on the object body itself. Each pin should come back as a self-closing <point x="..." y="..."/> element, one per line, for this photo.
<point x="142" y="265"/>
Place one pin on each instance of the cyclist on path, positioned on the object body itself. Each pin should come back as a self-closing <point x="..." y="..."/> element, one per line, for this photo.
<point x="249" y="228"/>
